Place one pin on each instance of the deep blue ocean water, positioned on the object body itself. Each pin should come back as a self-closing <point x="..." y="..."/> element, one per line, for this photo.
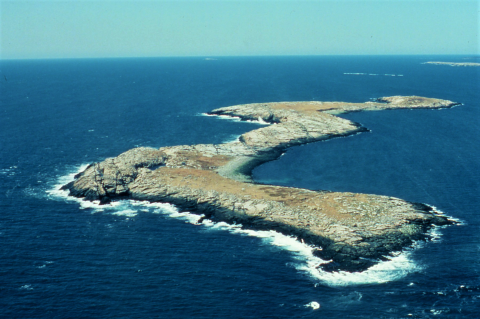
<point x="67" y="259"/>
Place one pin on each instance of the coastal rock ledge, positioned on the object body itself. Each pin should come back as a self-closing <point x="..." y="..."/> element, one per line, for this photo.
<point x="352" y="231"/>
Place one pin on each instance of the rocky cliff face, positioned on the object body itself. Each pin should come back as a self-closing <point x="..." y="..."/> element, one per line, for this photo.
<point x="352" y="230"/>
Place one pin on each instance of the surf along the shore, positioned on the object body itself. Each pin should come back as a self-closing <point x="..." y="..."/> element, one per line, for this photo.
<point x="353" y="231"/>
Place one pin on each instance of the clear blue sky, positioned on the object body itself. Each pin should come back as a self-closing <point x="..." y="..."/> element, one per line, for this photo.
<point x="102" y="28"/>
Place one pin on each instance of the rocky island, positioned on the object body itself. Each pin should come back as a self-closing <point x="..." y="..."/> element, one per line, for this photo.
<point x="353" y="231"/>
<point x="453" y="63"/>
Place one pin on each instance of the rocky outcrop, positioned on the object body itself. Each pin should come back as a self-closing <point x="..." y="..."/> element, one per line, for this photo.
<point x="352" y="230"/>
<point x="453" y="63"/>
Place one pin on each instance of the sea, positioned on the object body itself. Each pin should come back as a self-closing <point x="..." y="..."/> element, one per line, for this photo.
<point x="66" y="258"/>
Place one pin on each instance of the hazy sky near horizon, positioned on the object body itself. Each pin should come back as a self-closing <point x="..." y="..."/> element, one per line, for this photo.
<point x="107" y="28"/>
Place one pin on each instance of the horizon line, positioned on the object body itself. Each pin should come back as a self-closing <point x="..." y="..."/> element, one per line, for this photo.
<point x="236" y="56"/>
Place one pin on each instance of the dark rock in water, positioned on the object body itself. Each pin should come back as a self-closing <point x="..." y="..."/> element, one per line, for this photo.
<point x="354" y="231"/>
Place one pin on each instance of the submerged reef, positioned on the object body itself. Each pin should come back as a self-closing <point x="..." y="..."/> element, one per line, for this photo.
<point x="353" y="231"/>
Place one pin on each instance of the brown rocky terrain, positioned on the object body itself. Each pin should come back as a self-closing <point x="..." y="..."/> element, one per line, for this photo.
<point x="352" y="230"/>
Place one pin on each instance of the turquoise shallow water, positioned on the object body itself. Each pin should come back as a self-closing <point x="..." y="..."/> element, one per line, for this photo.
<point x="61" y="258"/>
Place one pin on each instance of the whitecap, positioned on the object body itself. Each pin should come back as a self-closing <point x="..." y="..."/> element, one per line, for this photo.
<point x="186" y="216"/>
<point x="224" y="226"/>
<point x="437" y="312"/>
<point x="126" y="212"/>
<point x="259" y="121"/>
<point x="237" y="118"/>
<point x="26" y="287"/>
<point x="8" y="171"/>
<point x="435" y="234"/>
<point x="313" y="304"/>
<point x="225" y="117"/>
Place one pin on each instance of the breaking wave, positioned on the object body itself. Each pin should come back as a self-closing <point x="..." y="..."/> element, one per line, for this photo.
<point x="236" y="118"/>
<point x="372" y="74"/>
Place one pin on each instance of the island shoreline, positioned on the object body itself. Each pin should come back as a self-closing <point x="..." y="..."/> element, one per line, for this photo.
<point x="354" y="231"/>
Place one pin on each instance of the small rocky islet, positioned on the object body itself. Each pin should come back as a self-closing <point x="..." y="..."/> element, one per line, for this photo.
<point x="352" y="231"/>
<point x="464" y="64"/>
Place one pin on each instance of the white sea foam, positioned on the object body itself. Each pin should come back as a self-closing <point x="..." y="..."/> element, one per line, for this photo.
<point x="435" y="232"/>
<point x="57" y="193"/>
<point x="229" y="117"/>
<point x="126" y="212"/>
<point x="395" y="268"/>
<point x="225" y="117"/>
<point x="374" y="74"/>
<point x="8" y="171"/>
<point x="186" y="216"/>
<point x="258" y="121"/>
<point x="313" y="304"/>
<point x="261" y="121"/>
<point x="454" y="220"/>
<point x="237" y="119"/>
<point x="62" y="180"/>
<point x="26" y="287"/>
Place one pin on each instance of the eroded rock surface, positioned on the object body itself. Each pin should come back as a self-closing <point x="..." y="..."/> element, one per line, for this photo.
<point x="352" y="230"/>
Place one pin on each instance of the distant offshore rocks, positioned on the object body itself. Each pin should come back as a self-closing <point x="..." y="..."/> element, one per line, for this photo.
<point x="453" y="63"/>
<point x="352" y="231"/>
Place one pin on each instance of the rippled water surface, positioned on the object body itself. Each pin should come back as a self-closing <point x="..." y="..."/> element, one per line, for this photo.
<point x="68" y="258"/>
